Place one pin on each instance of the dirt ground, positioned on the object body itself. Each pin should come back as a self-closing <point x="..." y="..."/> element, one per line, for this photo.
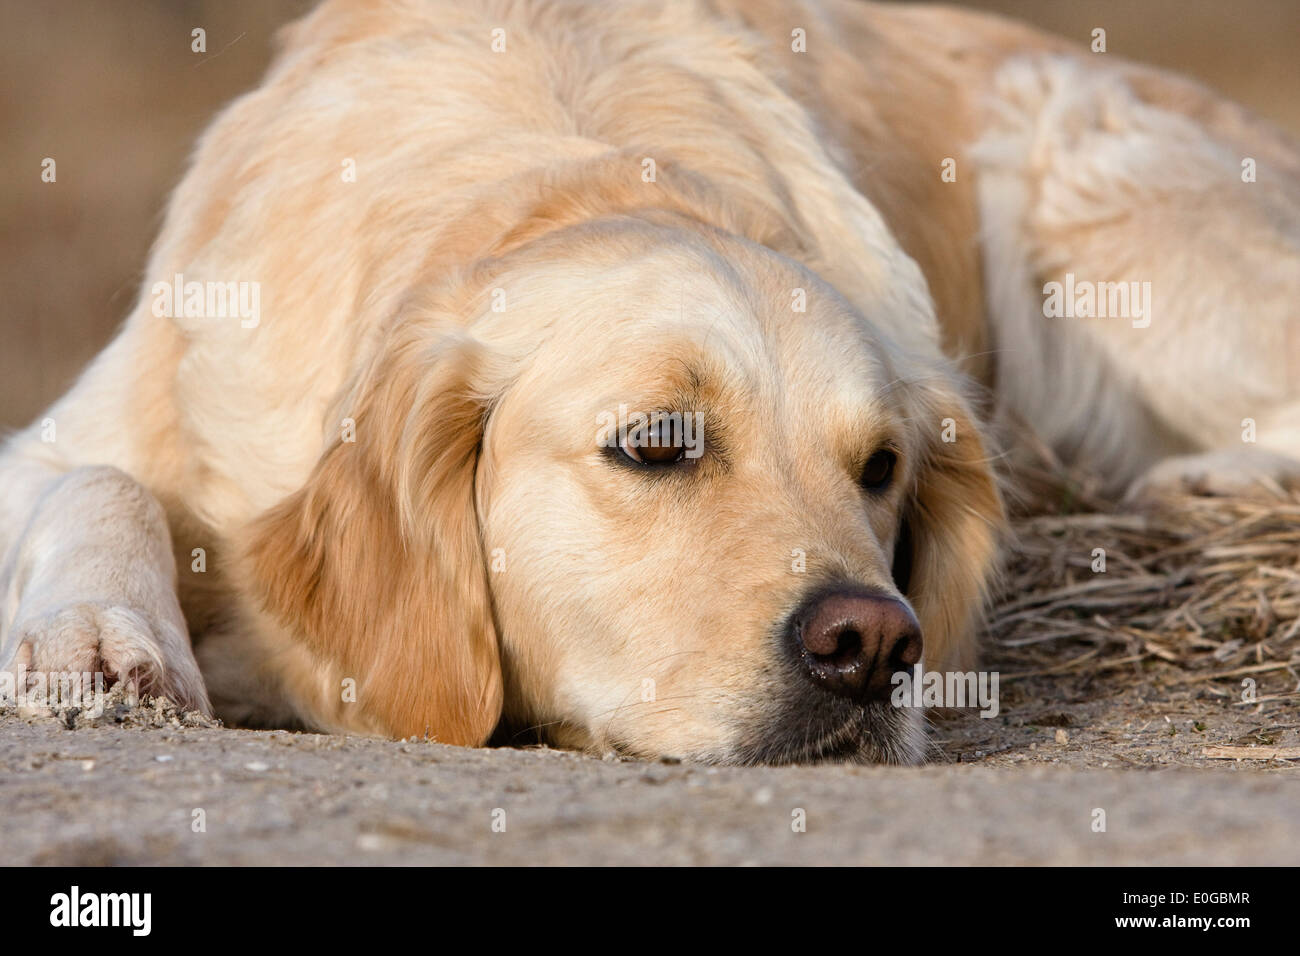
<point x="1024" y="788"/>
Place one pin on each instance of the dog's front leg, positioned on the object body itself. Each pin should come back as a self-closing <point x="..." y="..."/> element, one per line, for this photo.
<point x="89" y="582"/>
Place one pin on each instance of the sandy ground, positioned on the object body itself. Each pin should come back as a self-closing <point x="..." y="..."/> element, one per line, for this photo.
<point x="126" y="790"/>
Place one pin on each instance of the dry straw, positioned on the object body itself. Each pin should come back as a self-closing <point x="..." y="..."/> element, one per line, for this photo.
<point x="1210" y="586"/>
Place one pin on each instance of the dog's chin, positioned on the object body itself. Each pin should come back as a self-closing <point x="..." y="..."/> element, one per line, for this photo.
<point x="828" y="732"/>
<point x="868" y="734"/>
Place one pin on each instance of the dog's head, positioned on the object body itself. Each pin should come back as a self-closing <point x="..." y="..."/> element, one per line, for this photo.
<point x="640" y="484"/>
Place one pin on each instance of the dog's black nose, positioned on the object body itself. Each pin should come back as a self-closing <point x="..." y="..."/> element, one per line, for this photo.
<point x="853" y="641"/>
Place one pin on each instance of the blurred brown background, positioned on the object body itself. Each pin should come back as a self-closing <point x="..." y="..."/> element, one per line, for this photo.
<point x="112" y="91"/>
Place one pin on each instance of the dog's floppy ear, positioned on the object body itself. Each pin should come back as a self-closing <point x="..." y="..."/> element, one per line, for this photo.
<point x="946" y="551"/>
<point x="376" y="564"/>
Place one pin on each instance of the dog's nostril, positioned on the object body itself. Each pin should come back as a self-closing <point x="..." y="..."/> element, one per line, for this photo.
<point x="847" y="652"/>
<point x="906" y="652"/>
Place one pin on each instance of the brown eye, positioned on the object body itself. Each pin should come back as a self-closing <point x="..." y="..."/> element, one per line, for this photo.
<point x="878" y="471"/>
<point x="659" y="443"/>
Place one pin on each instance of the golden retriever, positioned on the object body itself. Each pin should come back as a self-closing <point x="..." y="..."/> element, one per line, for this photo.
<point x="632" y="373"/>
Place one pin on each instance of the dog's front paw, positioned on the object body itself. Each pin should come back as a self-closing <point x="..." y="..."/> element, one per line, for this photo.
<point x="1245" y="473"/>
<point x="146" y="651"/>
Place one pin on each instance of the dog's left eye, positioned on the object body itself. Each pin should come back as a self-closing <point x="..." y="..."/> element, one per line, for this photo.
<point x="659" y="443"/>
<point x="878" y="471"/>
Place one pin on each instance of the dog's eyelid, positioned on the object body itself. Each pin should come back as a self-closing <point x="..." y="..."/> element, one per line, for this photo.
<point x="888" y="443"/>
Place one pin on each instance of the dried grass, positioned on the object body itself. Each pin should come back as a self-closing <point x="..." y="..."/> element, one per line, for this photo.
<point x="1209" y="586"/>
